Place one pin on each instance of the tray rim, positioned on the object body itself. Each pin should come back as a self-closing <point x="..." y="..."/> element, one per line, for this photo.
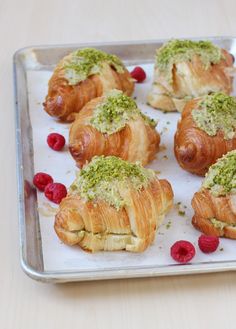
<point x="113" y="43"/>
<point x="100" y="274"/>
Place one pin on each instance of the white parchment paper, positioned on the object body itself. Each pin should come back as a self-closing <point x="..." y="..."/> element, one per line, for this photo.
<point x="61" y="167"/>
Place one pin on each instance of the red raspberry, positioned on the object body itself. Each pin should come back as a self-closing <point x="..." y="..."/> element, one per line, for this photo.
<point x="55" y="192"/>
<point x="138" y="74"/>
<point x="56" y="141"/>
<point x="41" y="180"/>
<point x="208" y="244"/>
<point x="182" y="251"/>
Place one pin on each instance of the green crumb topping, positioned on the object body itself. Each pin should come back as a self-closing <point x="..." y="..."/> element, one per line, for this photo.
<point x="176" y="51"/>
<point x="219" y="224"/>
<point x="89" y="61"/>
<point x="112" y="114"/>
<point x="221" y="177"/>
<point x="216" y="112"/>
<point x="107" y="178"/>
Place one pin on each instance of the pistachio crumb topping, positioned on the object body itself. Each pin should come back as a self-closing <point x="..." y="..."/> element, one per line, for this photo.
<point x="88" y="61"/>
<point x="220" y="224"/>
<point x="216" y="112"/>
<point x="176" y="51"/>
<point x="221" y="177"/>
<point x="116" y="109"/>
<point x="106" y="178"/>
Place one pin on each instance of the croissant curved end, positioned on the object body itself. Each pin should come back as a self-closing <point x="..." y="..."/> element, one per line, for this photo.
<point x="186" y="153"/>
<point x="76" y="150"/>
<point x="54" y="105"/>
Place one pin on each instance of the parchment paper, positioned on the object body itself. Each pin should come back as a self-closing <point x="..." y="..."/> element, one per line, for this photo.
<point x="61" y="166"/>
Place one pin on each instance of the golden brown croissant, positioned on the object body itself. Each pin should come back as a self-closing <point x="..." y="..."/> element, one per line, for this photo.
<point x="81" y="76"/>
<point x="113" y="205"/>
<point x="215" y="203"/>
<point x="113" y="125"/>
<point x="187" y="69"/>
<point x="205" y="132"/>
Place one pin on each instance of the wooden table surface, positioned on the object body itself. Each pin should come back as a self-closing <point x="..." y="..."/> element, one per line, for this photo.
<point x="186" y="302"/>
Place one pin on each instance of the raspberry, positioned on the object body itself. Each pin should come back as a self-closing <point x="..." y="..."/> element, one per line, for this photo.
<point x="55" y="192"/>
<point x="138" y="74"/>
<point x="56" y="141"/>
<point x="208" y="244"/>
<point x="41" y="180"/>
<point x="182" y="251"/>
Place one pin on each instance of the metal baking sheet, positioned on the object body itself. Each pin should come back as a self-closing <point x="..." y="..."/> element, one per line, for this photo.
<point x="36" y="61"/>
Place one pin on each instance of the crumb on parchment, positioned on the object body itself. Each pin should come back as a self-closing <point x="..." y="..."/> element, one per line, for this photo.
<point x="158" y="172"/>
<point x="180" y="208"/>
<point x="47" y="210"/>
<point x="162" y="147"/>
<point x="165" y="129"/>
<point x="68" y="172"/>
<point x="168" y="225"/>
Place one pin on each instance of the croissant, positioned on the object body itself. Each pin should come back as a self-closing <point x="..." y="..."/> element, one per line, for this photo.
<point x="187" y="69"/>
<point x="113" y="125"/>
<point x="215" y="204"/>
<point x="81" y="76"/>
<point x="205" y="132"/>
<point x="113" y="205"/>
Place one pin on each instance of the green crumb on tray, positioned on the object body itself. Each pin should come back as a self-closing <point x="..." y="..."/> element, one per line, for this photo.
<point x="168" y="225"/>
<point x="162" y="148"/>
<point x="158" y="172"/>
<point x="165" y="129"/>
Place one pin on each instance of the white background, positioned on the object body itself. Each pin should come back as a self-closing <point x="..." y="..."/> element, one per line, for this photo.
<point x="187" y="302"/>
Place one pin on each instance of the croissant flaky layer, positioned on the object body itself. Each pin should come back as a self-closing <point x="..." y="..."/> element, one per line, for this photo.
<point x="64" y="101"/>
<point x="137" y="141"/>
<point x="98" y="226"/>
<point x="214" y="215"/>
<point x="194" y="149"/>
<point x="190" y="79"/>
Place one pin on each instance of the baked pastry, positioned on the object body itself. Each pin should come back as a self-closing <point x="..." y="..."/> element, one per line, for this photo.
<point x="215" y="204"/>
<point x="113" y="125"/>
<point x="187" y="69"/>
<point x="205" y="132"/>
<point x="81" y="76"/>
<point x="113" y="205"/>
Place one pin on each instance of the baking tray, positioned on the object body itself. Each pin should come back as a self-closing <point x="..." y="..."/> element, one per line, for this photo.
<point x="36" y="58"/>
